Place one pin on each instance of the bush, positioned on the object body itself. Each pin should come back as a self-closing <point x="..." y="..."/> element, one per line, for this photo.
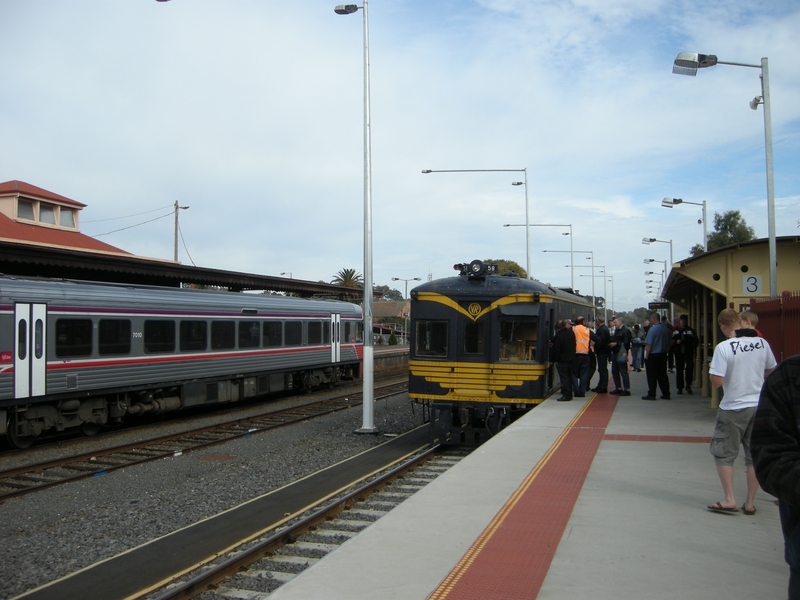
<point x="393" y="339"/>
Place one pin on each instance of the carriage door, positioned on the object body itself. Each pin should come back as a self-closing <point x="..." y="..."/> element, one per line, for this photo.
<point x="336" y="338"/>
<point x="30" y="358"/>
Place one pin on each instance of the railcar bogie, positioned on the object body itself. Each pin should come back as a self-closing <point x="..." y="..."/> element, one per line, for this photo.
<point x="81" y="355"/>
<point x="479" y="349"/>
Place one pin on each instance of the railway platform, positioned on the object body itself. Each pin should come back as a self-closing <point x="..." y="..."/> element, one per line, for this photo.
<point x="603" y="497"/>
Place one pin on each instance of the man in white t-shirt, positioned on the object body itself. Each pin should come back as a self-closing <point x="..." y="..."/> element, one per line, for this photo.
<point x="739" y="365"/>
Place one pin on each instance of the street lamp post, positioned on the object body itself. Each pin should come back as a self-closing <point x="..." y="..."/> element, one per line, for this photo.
<point x="605" y="297"/>
<point x="671" y="202"/>
<point x="527" y="218"/>
<point x="571" y="257"/>
<point x="687" y="63"/>
<point x="175" y="253"/>
<point x="591" y="252"/>
<point x="405" y="314"/>
<point x="368" y="421"/>
<point x="647" y="241"/>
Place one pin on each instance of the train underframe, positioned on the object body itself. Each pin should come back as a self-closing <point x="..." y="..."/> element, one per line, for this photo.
<point x="471" y="423"/>
<point x="22" y="424"/>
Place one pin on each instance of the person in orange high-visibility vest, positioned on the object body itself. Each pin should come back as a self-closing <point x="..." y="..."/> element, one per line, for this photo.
<point x="580" y="366"/>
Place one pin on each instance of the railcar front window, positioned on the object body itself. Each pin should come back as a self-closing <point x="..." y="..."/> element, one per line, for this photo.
<point x="473" y="338"/>
<point x="114" y="337"/>
<point x="518" y="338"/>
<point x="194" y="336"/>
<point x="159" y="337"/>
<point x="73" y="337"/>
<point x="273" y="334"/>
<point x="294" y="333"/>
<point x="223" y="335"/>
<point x="431" y="338"/>
<point x="249" y="334"/>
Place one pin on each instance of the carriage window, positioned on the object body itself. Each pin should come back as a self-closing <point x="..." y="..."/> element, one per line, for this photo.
<point x="518" y="337"/>
<point x="273" y="334"/>
<point x="159" y="336"/>
<point x="473" y="338"/>
<point x="73" y="337"/>
<point x="249" y="334"/>
<point x="314" y="332"/>
<point x="431" y="338"/>
<point x="348" y="328"/>
<point x="326" y="333"/>
<point x="294" y="333"/>
<point x="194" y="336"/>
<point x="114" y="337"/>
<point x="359" y="331"/>
<point x="223" y="335"/>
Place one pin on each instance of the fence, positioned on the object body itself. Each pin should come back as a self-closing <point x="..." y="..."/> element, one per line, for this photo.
<point x="779" y="323"/>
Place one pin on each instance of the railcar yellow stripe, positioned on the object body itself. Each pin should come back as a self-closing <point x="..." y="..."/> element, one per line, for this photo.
<point x="510" y="299"/>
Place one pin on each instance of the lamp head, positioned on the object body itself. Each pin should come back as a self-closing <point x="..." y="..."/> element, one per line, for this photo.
<point x="517" y="183"/>
<point x="426" y="170"/>
<point x="755" y="102"/>
<point x="395" y="279"/>
<point x="687" y="63"/>
<point x="345" y="9"/>
<point x="647" y="241"/>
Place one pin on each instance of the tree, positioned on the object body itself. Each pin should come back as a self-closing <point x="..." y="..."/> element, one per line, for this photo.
<point x="504" y="266"/>
<point x="729" y="228"/>
<point x="348" y="278"/>
<point x="389" y="293"/>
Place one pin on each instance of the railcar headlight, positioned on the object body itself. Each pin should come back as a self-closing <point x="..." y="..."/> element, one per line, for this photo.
<point x="477" y="268"/>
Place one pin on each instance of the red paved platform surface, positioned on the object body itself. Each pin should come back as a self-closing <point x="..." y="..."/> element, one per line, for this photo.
<point x="511" y="557"/>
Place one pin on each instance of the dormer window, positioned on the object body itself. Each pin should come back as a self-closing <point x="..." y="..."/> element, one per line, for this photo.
<point x="45" y="213"/>
<point x="25" y="210"/>
<point x="66" y="218"/>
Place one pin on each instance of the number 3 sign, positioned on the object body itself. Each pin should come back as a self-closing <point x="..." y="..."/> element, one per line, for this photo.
<point x="751" y="285"/>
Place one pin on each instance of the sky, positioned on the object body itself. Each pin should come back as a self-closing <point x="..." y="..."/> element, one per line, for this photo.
<point x="251" y="112"/>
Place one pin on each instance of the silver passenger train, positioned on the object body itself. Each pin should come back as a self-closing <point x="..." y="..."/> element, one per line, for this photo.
<point x="84" y="355"/>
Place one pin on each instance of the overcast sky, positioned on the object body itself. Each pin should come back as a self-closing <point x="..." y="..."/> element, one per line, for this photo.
<point x="251" y="113"/>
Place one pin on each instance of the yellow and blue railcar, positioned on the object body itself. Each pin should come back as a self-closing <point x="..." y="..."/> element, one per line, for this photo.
<point x="479" y="349"/>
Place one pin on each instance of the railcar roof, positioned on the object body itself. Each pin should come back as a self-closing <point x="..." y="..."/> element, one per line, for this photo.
<point x="492" y="285"/>
<point x="94" y="294"/>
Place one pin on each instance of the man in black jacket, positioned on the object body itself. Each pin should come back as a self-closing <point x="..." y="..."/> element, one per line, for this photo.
<point x="562" y="352"/>
<point x="601" y="336"/>
<point x="619" y="346"/>
<point x="775" y="445"/>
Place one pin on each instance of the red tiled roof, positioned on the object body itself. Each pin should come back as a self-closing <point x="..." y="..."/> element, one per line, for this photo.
<point x="13" y="231"/>
<point x="26" y="189"/>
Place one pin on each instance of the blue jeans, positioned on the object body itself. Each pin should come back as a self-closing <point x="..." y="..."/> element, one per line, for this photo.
<point x="617" y="369"/>
<point x="637" y="352"/>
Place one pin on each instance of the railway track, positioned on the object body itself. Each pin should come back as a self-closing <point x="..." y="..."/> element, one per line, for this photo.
<point x="34" y="477"/>
<point x="261" y="566"/>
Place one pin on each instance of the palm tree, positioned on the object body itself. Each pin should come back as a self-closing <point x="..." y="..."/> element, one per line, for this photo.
<point x="348" y="278"/>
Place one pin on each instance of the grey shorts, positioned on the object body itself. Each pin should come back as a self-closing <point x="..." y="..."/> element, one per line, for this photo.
<point x="732" y="429"/>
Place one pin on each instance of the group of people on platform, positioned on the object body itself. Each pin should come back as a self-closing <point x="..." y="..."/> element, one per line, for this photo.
<point x="579" y="351"/>
<point x="760" y="407"/>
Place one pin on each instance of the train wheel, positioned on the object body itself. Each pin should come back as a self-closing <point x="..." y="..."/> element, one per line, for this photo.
<point x="90" y="429"/>
<point x="16" y="440"/>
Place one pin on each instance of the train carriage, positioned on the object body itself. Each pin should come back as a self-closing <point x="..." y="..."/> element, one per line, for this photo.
<point x="80" y="354"/>
<point x="479" y="349"/>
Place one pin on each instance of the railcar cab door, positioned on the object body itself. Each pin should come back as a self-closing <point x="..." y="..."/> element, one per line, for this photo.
<point x="336" y="338"/>
<point x="30" y="353"/>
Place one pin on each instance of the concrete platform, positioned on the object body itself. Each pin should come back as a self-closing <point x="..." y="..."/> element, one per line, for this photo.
<point x="639" y="527"/>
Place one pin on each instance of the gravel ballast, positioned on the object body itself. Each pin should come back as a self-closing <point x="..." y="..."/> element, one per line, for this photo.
<point x="49" y="534"/>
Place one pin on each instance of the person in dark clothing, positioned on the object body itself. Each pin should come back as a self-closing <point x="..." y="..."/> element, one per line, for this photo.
<point x="684" y="341"/>
<point x="775" y="445"/>
<point x="562" y="352"/>
<point x="619" y="346"/>
<point x="601" y="336"/>
<point x="656" y="348"/>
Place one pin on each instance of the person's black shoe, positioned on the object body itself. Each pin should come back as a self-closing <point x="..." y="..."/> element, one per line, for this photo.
<point x="564" y="399"/>
<point x="601" y="390"/>
<point x="594" y="389"/>
<point x="638" y="370"/>
<point x="688" y="390"/>
<point x="615" y="392"/>
<point x="580" y="395"/>
<point x="680" y="392"/>
<point x="648" y="397"/>
<point x="666" y="398"/>
<point x="625" y="393"/>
